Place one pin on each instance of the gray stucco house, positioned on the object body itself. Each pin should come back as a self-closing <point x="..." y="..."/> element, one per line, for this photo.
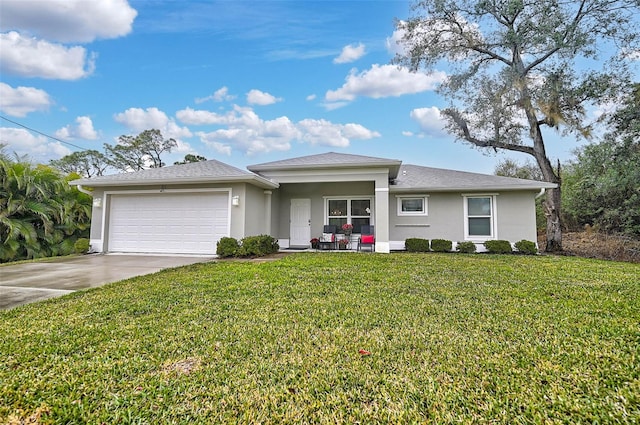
<point x="187" y="208"/>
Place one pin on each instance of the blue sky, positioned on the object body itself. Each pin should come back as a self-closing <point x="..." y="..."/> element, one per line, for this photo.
<point x="238" y="81"/>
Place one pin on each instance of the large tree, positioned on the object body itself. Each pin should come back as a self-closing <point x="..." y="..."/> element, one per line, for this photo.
<point x="520" y="67"/>
<point x="87" y="163"/>
<point x="134" y="153"/>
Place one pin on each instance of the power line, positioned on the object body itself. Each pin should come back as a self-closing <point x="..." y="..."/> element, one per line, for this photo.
<point x="43" y="134"/>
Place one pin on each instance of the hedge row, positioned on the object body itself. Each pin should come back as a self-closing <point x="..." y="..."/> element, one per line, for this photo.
<point x="250" y="246"/>
<point x="468" y="247"/>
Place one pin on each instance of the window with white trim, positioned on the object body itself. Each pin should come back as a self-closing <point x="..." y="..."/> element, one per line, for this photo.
<point x="356" y="211"/>
<point x="479" y="216"/>
<point x="412" y="205"/>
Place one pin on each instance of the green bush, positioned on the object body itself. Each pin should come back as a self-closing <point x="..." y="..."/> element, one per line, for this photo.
<point x="81" y="246"/>
<point x="258" y="246"/>
<point x="441" y="245"/>
<point x="498" y="247"/>
<point x="466" y="247"/>
<point x="416" y="245"/>
<point x="227" y="247"/>
<point x="526" y="247"/>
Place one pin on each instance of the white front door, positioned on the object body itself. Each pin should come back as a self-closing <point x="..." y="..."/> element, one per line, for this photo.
<point x="300" y="231"/>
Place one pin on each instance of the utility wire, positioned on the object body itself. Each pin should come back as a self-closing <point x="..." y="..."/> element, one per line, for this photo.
<point x="43" y="134"/>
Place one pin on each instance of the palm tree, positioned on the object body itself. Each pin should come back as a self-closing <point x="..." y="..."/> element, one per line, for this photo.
<point x="40" y="215"/>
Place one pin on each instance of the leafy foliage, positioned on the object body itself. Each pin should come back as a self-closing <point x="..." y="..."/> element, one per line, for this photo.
<point x="451" y="339"/>
<point x="190" y="158"/>
<point x="466" y="247"/>
<point x="602" y="186"/>
<point x="87" y="163"/>
<point x="498" y="246"/>
<point x="526" y="247"/>
<point x="258" y="246"/>
<point x="227" y="247"/>
<point x="416" y="245"/>
<point x="40" y="214"/>
<point x="441" y="245"/>
<point x="139" y="152"/>
<point x="81" y="246"/>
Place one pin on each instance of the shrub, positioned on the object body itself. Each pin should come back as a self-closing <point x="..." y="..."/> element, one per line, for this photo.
<point x="416" y="245"/>
<point x="81" y="246"/>
<point x="441" y="245"/>
<point x="526" y="247"/>
<point x="466" y="247"/>
<point x="498" y="247"/>
<point x="227" y="247"/>
<point x="258" y="246"/>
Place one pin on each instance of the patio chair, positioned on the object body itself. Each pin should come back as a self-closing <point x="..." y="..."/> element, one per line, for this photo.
<point x="328" y="238"/>
<point x="367" y="238"/>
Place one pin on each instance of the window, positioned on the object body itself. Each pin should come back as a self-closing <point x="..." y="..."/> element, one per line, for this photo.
<point x="356" y="211"/>
<point x="479" y="217"/>
<point x="412" y="205"/>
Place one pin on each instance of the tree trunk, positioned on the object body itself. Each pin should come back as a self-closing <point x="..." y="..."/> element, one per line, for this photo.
<point x="554" y="227"/>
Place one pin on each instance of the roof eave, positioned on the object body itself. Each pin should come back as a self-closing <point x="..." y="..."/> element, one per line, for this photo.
<point x="256" y="180"/>
<point x="473" y="188"/>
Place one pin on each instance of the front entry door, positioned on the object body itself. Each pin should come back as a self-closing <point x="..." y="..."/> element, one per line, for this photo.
<point x="300" y="231"/>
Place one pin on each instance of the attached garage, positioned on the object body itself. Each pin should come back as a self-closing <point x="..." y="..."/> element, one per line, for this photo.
<point x="167" y="222"/>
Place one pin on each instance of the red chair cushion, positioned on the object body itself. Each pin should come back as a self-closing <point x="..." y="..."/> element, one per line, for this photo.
<point x="367" y="239"/>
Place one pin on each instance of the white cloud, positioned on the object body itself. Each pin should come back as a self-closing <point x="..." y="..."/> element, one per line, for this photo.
<point x="20" y="101"/>
<point x="220" y="95"/>
<point x="311" y="97"/>
<point x="350" y="53"/>
<point x="82" y="130"/>
<point x="138" y="120"/>
<point x="244" y="130"/>
<point x="393" y="43"/>
<point x="384" y="81"/>
<point x="326" y="133"/>
<point x="201" y="117"/>
<point x="69" y="21"/>
<point x="430" y="120"/>
<point x="37" y="148"/>
<point x="30" y="57"/>
<point x="257" y="97"/>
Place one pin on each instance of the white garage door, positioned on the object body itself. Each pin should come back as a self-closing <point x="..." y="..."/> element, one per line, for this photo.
<point x="189" y="223"/>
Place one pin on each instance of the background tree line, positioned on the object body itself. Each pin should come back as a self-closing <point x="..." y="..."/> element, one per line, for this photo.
<point x="131" y="153"/>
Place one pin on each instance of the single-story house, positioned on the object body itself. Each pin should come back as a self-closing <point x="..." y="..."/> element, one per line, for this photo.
<point x="187" y="208"/>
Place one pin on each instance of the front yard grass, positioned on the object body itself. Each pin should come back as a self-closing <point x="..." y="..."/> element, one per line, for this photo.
<point x="453" y="339"/>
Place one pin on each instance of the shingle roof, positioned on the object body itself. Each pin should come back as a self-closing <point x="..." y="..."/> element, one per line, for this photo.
<point x="415" y="177"/>
<point x="328" y="160"/>
<point x="197" y="172"/>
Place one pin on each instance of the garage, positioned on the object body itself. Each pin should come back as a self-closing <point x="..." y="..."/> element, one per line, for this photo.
<point x="167" y="222"/>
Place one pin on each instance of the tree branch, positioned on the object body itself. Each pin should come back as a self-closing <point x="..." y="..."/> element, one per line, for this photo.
<point x="463" y="126"/>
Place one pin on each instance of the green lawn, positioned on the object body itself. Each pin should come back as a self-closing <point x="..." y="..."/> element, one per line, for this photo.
<point x="453" y="339"/>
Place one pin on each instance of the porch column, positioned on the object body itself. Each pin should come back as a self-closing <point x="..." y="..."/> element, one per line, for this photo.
<point x="382" y="214"/>
<point x="267" y="213"/>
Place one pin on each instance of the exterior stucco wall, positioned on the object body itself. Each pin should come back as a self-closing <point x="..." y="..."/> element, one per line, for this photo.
<point x="515" y="218"/>
<point x="316" y="193"/>
<point x="254" y="210"/>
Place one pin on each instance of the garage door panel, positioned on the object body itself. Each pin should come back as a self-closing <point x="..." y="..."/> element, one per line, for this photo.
<point x="168" y="222"/>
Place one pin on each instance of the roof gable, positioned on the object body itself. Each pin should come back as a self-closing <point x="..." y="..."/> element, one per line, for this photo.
<point x="329" y="160"/>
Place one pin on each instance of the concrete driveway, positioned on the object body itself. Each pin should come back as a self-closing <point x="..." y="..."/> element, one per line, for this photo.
<point x="29" y="282"/>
